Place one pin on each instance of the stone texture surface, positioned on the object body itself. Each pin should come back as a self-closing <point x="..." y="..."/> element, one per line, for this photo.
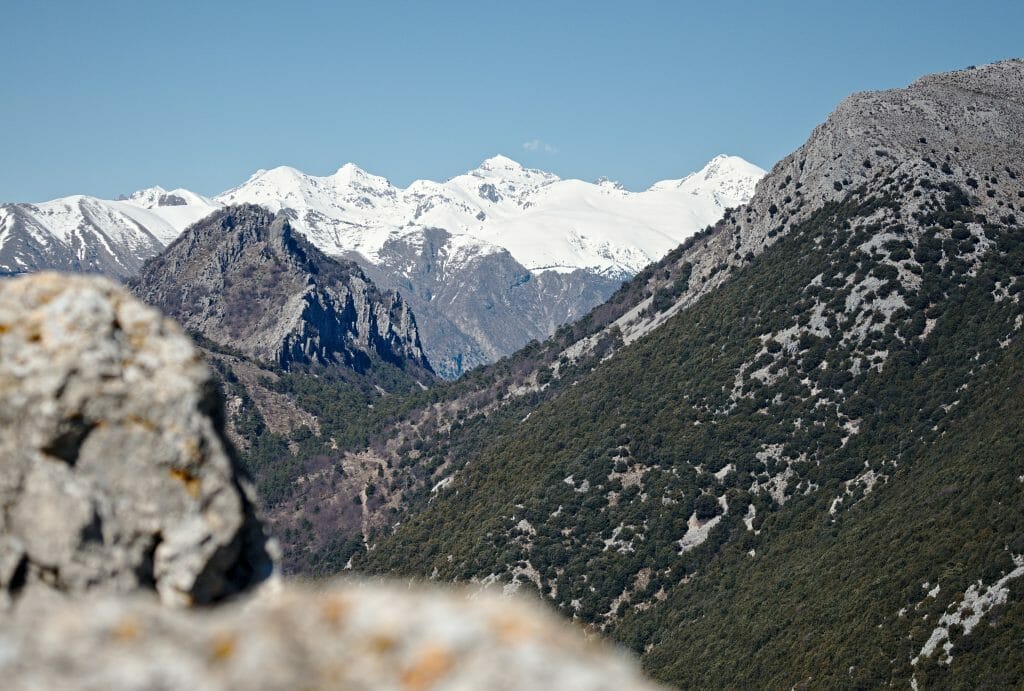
<point x="343" y="636"/>
<point x="970" y="120"/>
<point x="243" y="278"/>
<point x="114" y="472"/>
<point x="949" y="128"/>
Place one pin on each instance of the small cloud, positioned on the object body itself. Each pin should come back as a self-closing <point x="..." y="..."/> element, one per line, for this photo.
<point x="538" y="145"/>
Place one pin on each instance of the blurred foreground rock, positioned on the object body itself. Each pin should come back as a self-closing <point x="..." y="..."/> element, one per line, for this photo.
<point x="114" y="472"/>
<point x="340" y="637"/>
<point x="119" y="495"/>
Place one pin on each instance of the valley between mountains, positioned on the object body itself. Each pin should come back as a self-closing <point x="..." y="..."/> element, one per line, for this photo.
<point x="764" y="430"/>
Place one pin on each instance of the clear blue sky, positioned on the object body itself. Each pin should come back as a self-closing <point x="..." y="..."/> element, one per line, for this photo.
<point x="107" y="97"/>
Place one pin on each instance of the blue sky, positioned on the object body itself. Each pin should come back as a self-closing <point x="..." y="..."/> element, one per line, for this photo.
<point x="107" y="97"/>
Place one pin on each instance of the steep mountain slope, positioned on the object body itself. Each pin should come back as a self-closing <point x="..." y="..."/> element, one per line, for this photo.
<point x="244" y="279"/>
<point x="480" y="308"/>
<point x="541" y="250"/>
<point x="800" y="434"/>
<point x="337" y="460"/>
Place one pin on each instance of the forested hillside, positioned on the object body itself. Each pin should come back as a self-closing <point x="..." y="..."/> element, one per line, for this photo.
<point x="812" y="474"/>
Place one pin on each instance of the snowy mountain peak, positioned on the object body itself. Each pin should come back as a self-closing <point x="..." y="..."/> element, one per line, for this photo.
<point x="500" y="163"/>
<point x="730" y="178"/>
<point x="148" y="192"/>
<point x="351" y="177"/>
<point x="350" y="171"/>
<point x="279" y="173"/>
<point x="727" y="166"/>
<point x="275" y="188"/>
<point x="155" y="197"/>
<point x="504" y="169"/>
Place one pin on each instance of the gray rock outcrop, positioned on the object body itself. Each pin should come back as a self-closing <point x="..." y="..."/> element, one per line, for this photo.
<point x="959" y="130"/>
<point x="950" y="127"/>
<point x="114" y="471"/>
<point x="243" y="278"/>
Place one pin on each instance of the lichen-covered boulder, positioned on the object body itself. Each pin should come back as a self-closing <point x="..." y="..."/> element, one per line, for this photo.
<point x="114" y="471"/>
<point x="344" y="636"/>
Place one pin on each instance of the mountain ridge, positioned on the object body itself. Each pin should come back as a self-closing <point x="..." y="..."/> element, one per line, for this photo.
<point x="355" y="199"/>
<point x="179" y="207"/>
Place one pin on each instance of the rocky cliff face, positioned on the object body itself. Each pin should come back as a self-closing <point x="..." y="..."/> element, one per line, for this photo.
<point x="963" y="127"/>
<point x="117" y="481"/>
<point x="244" y="279"/>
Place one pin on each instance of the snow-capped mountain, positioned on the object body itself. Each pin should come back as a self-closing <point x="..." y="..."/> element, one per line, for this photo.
<point x="544" y="222"/>
<point x="176" y="209"/>
<point x="81" y="233"/>
<point x="488" y="260"/>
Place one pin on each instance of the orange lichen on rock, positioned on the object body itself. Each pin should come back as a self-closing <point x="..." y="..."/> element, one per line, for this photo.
<point x="430" y="666"/>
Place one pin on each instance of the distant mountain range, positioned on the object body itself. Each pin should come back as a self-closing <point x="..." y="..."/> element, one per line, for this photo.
<point x="487" y="260"/>
<point x="542" y="221"/>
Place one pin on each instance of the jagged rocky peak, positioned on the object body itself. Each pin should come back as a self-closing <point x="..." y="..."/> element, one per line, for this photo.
<point x="244" y="278"/>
